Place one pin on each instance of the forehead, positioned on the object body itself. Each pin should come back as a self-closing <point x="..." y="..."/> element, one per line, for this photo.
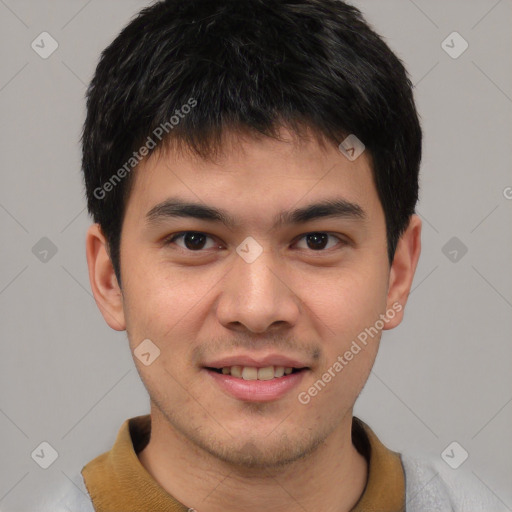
<point x="255" y="175"/>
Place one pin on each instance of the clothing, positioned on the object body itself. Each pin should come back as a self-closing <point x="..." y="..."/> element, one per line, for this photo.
<point x="116" y="481"/>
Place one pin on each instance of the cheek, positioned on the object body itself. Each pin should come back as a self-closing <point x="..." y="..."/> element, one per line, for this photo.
<point x="161" y="294"/>
<point x="345" y="302"/>
<point x="167" y="306"/>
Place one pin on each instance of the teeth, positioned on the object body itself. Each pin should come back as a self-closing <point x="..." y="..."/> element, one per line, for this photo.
<point x="252" y="373"/>
<point x="236" y="371"/>
<point x="249" y="373"/>
<point x="266" y="373"/>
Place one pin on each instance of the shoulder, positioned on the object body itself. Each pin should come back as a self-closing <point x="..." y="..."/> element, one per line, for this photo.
<point x="432" y="485"/>
<point x="72" y="496"/>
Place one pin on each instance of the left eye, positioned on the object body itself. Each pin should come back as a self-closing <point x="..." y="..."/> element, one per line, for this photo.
<point x="317" y="241"/>
<point x="195" y="241"/>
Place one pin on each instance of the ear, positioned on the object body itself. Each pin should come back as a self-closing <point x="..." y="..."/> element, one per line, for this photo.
<point x="402" y="270"/>
<point x="102" y="277"/>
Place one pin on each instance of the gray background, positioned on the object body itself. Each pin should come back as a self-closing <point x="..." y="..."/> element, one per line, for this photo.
<point x="443" y="375"/>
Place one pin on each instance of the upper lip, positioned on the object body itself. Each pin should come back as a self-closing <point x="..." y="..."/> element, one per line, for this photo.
<point x="257" y="362"/>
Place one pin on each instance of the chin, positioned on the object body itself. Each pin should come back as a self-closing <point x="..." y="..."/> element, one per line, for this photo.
<point x="262" y="453"/>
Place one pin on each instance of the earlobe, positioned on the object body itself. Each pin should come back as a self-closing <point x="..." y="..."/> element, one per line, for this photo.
<point x="104" y="285"/>
<point x="402" y="270"/>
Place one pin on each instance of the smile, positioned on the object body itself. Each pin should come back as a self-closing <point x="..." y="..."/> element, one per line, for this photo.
<point x="254" y="373"/>
<point x="252" y="384"/>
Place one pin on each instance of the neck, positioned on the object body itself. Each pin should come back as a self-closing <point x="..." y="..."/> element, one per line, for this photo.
<point x="331" y="479"/>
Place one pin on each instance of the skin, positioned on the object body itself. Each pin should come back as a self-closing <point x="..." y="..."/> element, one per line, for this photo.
<point x="208" y="449"/>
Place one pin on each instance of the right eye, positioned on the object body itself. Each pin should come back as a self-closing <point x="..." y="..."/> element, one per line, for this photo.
<point x="193" y="241"/>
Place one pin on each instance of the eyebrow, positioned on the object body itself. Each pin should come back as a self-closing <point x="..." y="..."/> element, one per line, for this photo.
<point x="174" y="207"/>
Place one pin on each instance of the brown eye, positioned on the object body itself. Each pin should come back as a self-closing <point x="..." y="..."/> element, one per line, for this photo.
<point x="318" y="241"/>
<point x="192" y="240"/>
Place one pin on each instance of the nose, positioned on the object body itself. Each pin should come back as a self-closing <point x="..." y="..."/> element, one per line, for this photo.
<point x="257" y="296"/>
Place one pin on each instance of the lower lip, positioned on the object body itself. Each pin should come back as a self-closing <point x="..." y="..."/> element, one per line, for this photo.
<point x="257" y="390"/>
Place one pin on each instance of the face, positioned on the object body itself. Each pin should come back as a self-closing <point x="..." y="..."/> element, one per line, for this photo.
<point x="255" y="293"/>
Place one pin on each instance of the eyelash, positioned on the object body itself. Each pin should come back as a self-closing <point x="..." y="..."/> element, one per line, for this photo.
<point x="171" y="239"/>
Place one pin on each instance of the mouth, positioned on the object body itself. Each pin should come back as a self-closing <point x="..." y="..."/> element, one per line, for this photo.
<point x="266" y="383"/>
<point x="256" y="373"/>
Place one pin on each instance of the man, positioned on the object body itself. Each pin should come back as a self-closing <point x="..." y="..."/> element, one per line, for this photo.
<point x="252" y="170"/>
